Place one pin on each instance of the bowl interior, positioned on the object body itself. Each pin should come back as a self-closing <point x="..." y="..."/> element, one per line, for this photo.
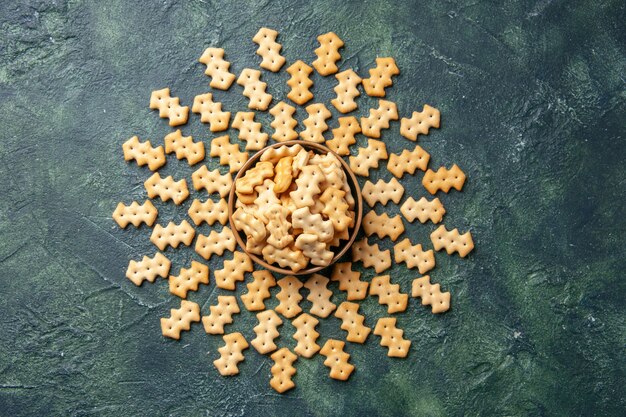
<point x="341" y="249"/>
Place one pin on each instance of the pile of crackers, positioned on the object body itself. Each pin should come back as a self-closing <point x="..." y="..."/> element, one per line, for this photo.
<point x="218" y="184"/>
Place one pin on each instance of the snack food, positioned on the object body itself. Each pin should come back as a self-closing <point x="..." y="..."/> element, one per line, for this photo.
<point x="420" y="123"/>
<point x="144" y="153"/>
<point x="184" y="147"/>
<point x="379" y="119"/>
<point x="166" y="188"/>
<point x="284" y="123"/>
<point x="349" y="281"/>
<point x="135" y="214"/>
<point x="212" y="181"/>
<point x="189" y="279"/>
<point x="382" y="225"/>
<point x="269" y="49"/>
<point x="389" y="294"/>
<point x="368" y="157"/>
<point x="423" y="210"/>
<point x="233" y="271"/>
<point x="382" y="192"/>
<point x="258" y="290"/>
<point x="337" y="359"/>
<point x="148" y="269"/>
<point x="221" y="314"/>
<point x="343" y="136"/>
<point x="444" y="179"/>
<point x="180" y="319"/>
<point x="216" y="243"/>
<point x="352" y="322"/>
<point x="211" y="112"/>
<point x="346" y="91"/>
<point x="254" y="89"/>
<point x="250" y="131"/>
<point x="229" y="153"/>
<point x="391" y="337"/>
<point x="380" y="77"/>
<point x="319" y="296"/>
<point x="414" y="256"/>
<point x="315" y="124"/>
<point x="231" y="354"/>
<point x="431" y="294"/>
<point x="327" y="53"/>
<point x="300" y="83"/>
<point x="169" y="107"/>
<point x="289" y="296"/>
<point x="208" y="212"/>
<point x="452" y="241"/>
<point x="306" y="335"/>
<point x="408" y="161"/>
<point x="172" y="235"/>
<point x="217" y="68"/>
<point x="283" y="370"/>
<point x="371" y="255"/>
<point x="266" y="331"/>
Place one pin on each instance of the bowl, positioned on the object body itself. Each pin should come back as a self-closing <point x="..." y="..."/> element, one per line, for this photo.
<point x="338" y="251"/>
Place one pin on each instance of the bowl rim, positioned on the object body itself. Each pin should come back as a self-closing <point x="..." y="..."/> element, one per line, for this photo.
<point x="358" y="208"/>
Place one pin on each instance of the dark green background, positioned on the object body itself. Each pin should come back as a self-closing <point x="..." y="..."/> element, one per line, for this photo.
<point x="533" y="103"/>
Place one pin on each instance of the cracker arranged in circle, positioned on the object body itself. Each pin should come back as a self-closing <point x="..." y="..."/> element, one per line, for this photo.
<point x="389" y="294"/>
<point x="382" y="192"/>
<point x="284" y="123"/>
<point x="319" y="296"/>
<point x="391" y="337"/>
<point x="283" y="370"/>
<point x="233" y="271"/>
<point x="371" y="255"/>
<point x="380" y="77"/>
<point x="250" y="131"/>
<point x="266" y="331"/>
<point x="209" y="212"/>
<point x="258" y="290"/>
<point x="269" y="49"/>
<point x="144" y="153"/>
<point x="423" y="210"/>
<point x="229" y="153"/>
<point x="221" y="314"/>
<point x="215" y="243"/>
<point x="368" y="157"/>
<point x="254" y="89"/>
<point x="382" y="225"/>
<point x="166" y="188"/>
<point x="452" y="241"/>
<point x="346" y="91"/>
<point x="352" y="322"/>
<point x="172" y="235"/>
<point x="349" y="281"/>
<point x="217" y="68"/>
<point x="212" y="181"/>
<point x="344" y="135"/>
<point x="169" y="107"/>
<point x="414" y="256"/>
<point x="289" y="296"/>
<point x="300" y="82"/>
<point x="148" y="269"/>
<point x="231" y="354"/>
<point x="431" y="294"/>
<point x="315" y="125"/>
<point x="184" y="147"/>
<point x="180" y="319"/>
<point x="444" y="179"/>
<point x="189" y="279"/>
<point x="211" y="112"/>
<point x="327" y="53"/>
<point x="420" y="123"/>
<point x="306" y="335"/>
<point x="379" y="118"/>
<point x="337" y="359"/>
<point x="408" y="161"/>
<point x="135" y="214"/>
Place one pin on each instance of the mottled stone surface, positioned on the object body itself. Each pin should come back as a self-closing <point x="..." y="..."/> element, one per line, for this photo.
<point x="533" y="102"/>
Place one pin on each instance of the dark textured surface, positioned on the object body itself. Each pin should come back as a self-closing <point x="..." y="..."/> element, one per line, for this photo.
<point x="533" y="104"/>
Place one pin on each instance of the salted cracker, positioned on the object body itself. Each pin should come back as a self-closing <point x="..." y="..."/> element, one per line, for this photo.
<point x="169" y="107"/>
<point x="300" y="82"/>
<point x="431" y="294"/>
<point x="379" y="118"/>
<point x="315" y="250"/>
<point x="269" y="49"/>
<point x="284" y="123"/>
<point x="315" y="125"/>
<point x="371" y="255"/>
<point x="166" y="188"/>
<point x="349" y="281"/>
<point x="253" y="177"/>
<point x="352" y="322"/>
<point x="388" y="294"/>
<point x="391" y="337"/>
<point x="368" y="157"/>
<point x="337" y="359"/>
<point x="250" y="131"/>
<point x="423" y="210"/>
<point x="208" y="212"/>
<point x="344" y="135"/>
<point x="283" y="370"/>
<point x="189" y="279"/>
<point x="144" y="153"/>
<point x="180" y="319"/>
<point x="172" y="235"/>
<point x="444" y="179"/>
<point x="308" y="222"/>
<point x="148" y="269"/>
<point x="229" y="153"/>
<point x="231" y="354"/>
<point x="252" y="226"/>
<point x="215" y="243"/>
<point x="336" y="208"/>
<point x="408" y="161"/>
<point x="307" y="186"/>
<point x="414" y="256"/>
<point x="452" y="241"/>
<point x="233" y="271"/>
<point x="211" y="112"/>
<point x="135" y="214"/>
<point x="380" y="77"/>
<point x="274" y="155"/>
<point x="254" y="89"/>
<point x="346" y="91"/>
<point x="319" y="296"/>
<point x="420" y="123"/>
<point x="283" y="174"/>
<point x="258" y="290"/>
<point x="289" y="296"/>
<point x="278" y="227"/>
<point x="184" y="147"/>
<point x="266" y="331"/>
<point x="221" y="314"/>
<point x="212" y="181"/>
<point x="382" y="192"/>
<point x="288" y="257"/>
<point x="382" y="225"/>
<point x="327" y="54"/>
<point x="217" y="68"/>
<point x="306" y="335"/>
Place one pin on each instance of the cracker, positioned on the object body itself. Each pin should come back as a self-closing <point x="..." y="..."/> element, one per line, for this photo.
<point x="352" y="322"/>
<point x="368" y="157"/>
<point x="349" y="281"/>
<point x="212" y="181"/>
<point x="371" y="255"/>
<point x="209" y="212"/>
<point x="431" y="294"/>
<point x="327" y="54"/>
<point x="306" y="335"/>
<point x="135" y="214"/>
<point x="420" y="123"/>
<point x="166" y="188"/>
<point x="300" y="160"/>
<point x="283" y="370"/>
<point x="184" y="147"/>
<point x="336" y="208"/>
<point x="343" y="136"/>
<point x="250" y="131"/>
<point x="308" y="186"/>
<point x="303" y="219"/>
<point x="265" y="200"/>
<point x="253" y="228"/>
<point x="233" y="271"/>
<point x="391" y="337"/>
<point x="408" y="161"/>
<point x="452" y="241"/>
<point x="180" y="319"/>
<point x="423" y="210"/>
<point x="216" y="243"/>
<point x="300" y="82"/>
<point x="231" y="354"/>
<point x="253" y="177"/>
<point x="283" y="174"/>
<point x="382" y="225"/>
<point x="319" y="295"/>
<point x="211" y="112"/>
<point x="444" y="179"/>
<point x="169" y="107"/>
<point x="284" y="123"/>
<point x="338" y="237"/>
<point x="189" y="279"/>
<point x="388" y="294"/>
<point x="221" y="314"/>
<point x="269" y="49"/>
<point x="337" y="359"/>
<point x="315" y="125"/>
<point x="254" y="89"/>
<point x="346" y="91"/>
<point x="289" y="296"/>
<point x="229" y="153"/>
<point x="274" y="155"/>
<point x="382" y="192"/>
<point x="143" y="153"/>
<point x="286" y="257"/>
<point x="266" y="331"/>
<point x="172" y="235"/>
<point x="278" y="226"/>
<point x="258" y="290"/>
<point x="148" y="269"/>
<point x="217" y="68"/>
<point x="414" y="256"/>
<point x="314" y="249"/>
<point x="379" y="118"/>
<point x="380" y="77"/>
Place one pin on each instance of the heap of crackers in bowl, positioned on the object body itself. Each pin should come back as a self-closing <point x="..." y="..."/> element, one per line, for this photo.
<point x="295" y="207"/>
